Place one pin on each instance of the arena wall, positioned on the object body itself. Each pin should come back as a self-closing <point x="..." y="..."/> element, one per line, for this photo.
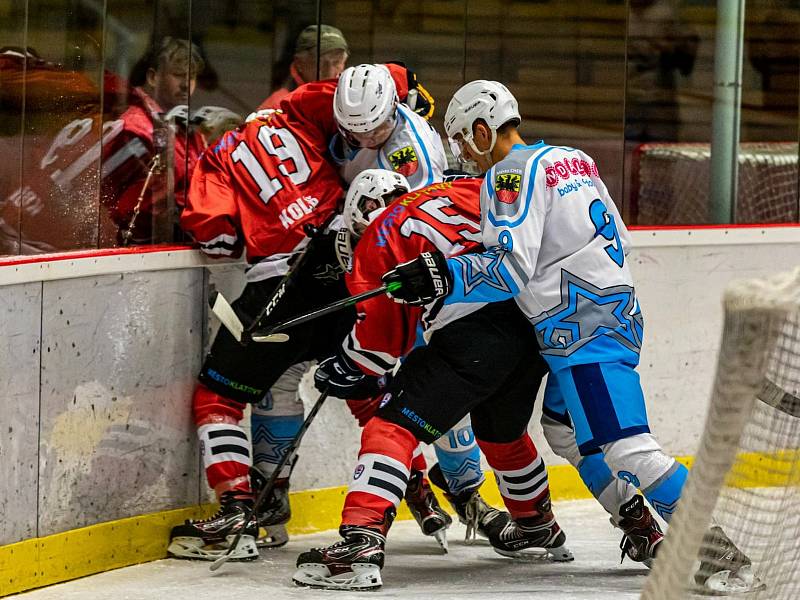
<point x="98" y="362"/>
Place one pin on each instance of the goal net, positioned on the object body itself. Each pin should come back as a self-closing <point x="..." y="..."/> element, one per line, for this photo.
<point x="671" y="184"/>
<point x="746" y="474"/>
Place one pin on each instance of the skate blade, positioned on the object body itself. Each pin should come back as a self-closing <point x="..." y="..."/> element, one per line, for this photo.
<point x="441" y="538"/>
<point x="274" y="536"/>
<point x="725" y="583"/>
<point x="194" y="548"/>
<point x="557" y="554"/>
<point x="362" y="577"/>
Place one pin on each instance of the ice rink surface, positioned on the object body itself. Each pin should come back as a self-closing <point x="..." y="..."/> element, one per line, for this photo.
<point x="415" y="569"/>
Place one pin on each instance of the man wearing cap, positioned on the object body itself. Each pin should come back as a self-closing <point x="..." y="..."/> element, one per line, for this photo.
<point x="333" y="55"/>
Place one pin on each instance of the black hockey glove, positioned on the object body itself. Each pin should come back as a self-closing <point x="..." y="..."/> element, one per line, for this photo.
<point x="343" y="379"/>
<point x="421" y="280"/>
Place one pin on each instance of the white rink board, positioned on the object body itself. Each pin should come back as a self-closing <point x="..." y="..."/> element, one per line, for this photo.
<point x="680" y="288"/>
<point x="415" y="569"/>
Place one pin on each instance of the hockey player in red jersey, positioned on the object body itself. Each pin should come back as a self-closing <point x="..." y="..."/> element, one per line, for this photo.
<point x="422" y="401"/>
<point x="254" y="192"/>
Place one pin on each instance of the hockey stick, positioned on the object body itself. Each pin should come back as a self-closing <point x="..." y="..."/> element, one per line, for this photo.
<point x="268" y="333"/>
<point x="223" y="310"/>
<point x="267" y="489"/>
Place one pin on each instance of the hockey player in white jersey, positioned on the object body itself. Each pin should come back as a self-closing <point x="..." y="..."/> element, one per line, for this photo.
<point x="379" y="132"/>
<point x="556" y="243"/>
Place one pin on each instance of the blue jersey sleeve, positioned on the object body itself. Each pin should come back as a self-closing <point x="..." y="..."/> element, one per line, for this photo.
<point x="481" y="277"/>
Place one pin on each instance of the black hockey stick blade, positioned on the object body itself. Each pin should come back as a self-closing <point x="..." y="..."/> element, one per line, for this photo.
<point x="223" y="310"/>
<point x="321" y="312"/>
<point x="267" y="489"/>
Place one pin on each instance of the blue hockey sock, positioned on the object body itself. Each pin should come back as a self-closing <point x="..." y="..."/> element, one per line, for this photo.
<point x="272" y="436"/>
<point x="664" y="493"/>
<point x="459" y="459"/>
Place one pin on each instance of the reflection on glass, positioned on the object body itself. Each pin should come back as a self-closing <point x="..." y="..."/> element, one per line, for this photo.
<point x="147" y="154"/>
<point x="12" y="67"/>
<point x="56" y="201"/>
<point x="669" y="107"/>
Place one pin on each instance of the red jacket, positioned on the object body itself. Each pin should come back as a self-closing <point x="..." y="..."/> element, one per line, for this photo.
<point x="127" y="158"/>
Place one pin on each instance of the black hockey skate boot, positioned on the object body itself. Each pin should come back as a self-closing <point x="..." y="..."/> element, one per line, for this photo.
<point x="470" y="507"/>
<point x="427" y="511"/>
<point x="537" y="537"/>
<point x="642" y="535"/>
<point x="274" y="512"/>
<point x="354" y="563"/>
<point x="208" y="539"/>
<point x="724" y="569"/>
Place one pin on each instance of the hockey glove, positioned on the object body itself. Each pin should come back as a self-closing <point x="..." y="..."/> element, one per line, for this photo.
<point x="422" y="280"/>
<point x="343" y="379"/>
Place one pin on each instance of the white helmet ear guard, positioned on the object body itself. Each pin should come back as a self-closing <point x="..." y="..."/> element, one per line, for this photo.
<point x="369" y="192"/>
<point x="489" y="101"/>
<point x="365" y="98"/>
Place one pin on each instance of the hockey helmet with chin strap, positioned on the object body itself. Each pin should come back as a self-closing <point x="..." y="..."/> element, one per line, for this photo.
<point x="489" y="101"/>
<point x="371" y="190"/>
<point x="364" y="104"/>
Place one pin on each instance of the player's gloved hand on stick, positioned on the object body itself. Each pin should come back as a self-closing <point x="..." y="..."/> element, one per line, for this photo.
<point x="421" y="280"/>
<point x="343" y="379"/>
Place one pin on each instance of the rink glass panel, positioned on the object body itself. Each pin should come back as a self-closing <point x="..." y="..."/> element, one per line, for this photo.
<point x="668" y="113"/>
<point x="565" y="64"/>
<point x="610" y="77"/>
<point x="59" y="99"/>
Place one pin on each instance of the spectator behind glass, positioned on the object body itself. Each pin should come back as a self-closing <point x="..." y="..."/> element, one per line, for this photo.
<point x="333" y="57"/>
<point x="155" y="121"/>
<point x="660" y="46"/>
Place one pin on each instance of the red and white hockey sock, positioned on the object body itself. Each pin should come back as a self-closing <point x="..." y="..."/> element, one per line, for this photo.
<point x="223" y="444"/>
<point x="521" y="476"/>
<point x="381" y="476"/>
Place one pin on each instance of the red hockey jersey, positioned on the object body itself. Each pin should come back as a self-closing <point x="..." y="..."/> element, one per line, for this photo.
<point x="259" y="185"/>
<point x="444" y="216"/>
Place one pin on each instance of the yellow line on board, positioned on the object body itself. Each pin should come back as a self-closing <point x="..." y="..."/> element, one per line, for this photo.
<point x="63" y="556"/>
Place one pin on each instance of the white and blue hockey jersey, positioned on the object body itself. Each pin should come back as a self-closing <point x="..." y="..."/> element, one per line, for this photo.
<point x="557" y="243"/>
<point x="414" y="150"/>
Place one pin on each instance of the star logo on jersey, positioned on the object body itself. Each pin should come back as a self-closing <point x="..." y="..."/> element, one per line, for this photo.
<point x="327" y="272"/>
<point x="268" y="447"/>
<point x="587" y="311"/>
<point x="506" y="187"/>
<point x="404" y="161"/>
<point x="475" y="272"/>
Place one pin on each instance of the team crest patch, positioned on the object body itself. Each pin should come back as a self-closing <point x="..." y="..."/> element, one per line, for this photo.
<point x="404" y="161"/>
<point x="358" y="472"/>
<point x="506" y="186"/>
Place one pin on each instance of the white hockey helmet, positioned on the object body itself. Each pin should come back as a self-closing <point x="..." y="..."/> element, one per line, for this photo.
<point x="364" y="104"/>
<point x="369" y="192"/>
<point x="489" y="101"/>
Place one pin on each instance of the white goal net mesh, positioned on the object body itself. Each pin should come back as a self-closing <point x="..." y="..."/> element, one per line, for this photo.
<point x="671" y="184"/>
<point x="746" y="474"/>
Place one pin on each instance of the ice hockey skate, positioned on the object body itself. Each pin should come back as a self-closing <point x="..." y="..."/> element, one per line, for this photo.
<point x="724" y="569"/>
<point x="354" y="563"/>
<point x="430" y="516"/>
<point x="643" y="534"/>
<point x="470" y="507"/>
<point x="209" y="539"/>
<point x="274" y="512"/>
<point x="536" y="538"/>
